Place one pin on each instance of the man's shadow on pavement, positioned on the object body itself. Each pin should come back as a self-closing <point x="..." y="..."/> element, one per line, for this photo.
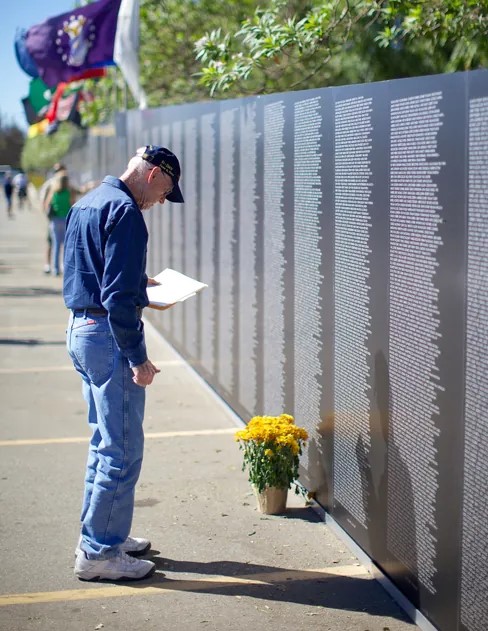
<point x="310" y="588"/>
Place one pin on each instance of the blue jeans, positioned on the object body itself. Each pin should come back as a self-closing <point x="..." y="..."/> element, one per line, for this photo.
<point x="115" y="415"/>
<point x="57" y="228"/>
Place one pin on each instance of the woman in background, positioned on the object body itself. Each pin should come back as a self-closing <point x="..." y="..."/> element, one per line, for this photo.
<point x="57" y="205"/>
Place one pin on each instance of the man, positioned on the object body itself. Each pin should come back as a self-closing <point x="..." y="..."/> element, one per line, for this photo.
<point x="105" y="288"/>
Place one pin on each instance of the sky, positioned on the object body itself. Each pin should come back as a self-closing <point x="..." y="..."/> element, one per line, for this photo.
<point x="23" y="13"/>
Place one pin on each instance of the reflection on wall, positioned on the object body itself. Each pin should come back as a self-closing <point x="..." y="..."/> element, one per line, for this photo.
<point x="415" y="215"/>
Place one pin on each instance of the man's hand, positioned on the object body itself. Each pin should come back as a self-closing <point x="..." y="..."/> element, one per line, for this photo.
<point x="161" y="308"/>
<point x="151" y="282"/>
<point x="144" y="373"/>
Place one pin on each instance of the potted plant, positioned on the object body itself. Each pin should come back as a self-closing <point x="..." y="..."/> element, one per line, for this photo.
<point x="272" y="446"/>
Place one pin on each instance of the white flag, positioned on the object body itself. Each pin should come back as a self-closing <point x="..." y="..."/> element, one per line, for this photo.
<point x="126" y="48"/>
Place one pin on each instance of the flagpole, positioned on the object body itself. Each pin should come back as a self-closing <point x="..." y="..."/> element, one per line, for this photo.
<point x="124" y="93"/>
<point x="115" y="77"/>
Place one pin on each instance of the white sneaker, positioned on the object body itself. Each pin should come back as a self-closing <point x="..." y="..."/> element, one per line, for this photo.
<point x="135" y="546"/>
<point x="119" y="568"/>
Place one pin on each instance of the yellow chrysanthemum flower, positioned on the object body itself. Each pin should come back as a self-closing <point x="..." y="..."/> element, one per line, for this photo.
<point x="273" y="429"/>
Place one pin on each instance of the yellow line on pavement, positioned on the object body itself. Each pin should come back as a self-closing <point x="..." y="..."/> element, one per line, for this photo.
<point x="33" y="369"/>
<point x="83" y="439"/>
<point x="196" y="584"/>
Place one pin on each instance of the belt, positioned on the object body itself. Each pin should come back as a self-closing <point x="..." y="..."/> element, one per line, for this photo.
<point x="100" y="312"/>
<point x="93" y="311"/>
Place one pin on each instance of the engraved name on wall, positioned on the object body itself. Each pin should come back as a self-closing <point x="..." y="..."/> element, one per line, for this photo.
<point x="353" y="141"/>
<point x="307" y="262"/>
<point x="178" y="243"/>
<point x="247" y="343"/>
<point x="227" y="263"/>
<point x="191" y="231"/>
<point x="166" y="234"/>
<point x="415" y="216"/>
<point x="274" y="260"/>
<point x="474" y="574"/>
<point x="207" y="240"/>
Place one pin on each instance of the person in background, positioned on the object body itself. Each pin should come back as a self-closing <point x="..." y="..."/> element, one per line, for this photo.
<point x="57" y="205"/>
<point x="21" y="182"/>
<point x="58" y="171"/>
<point x="8" y="189"/>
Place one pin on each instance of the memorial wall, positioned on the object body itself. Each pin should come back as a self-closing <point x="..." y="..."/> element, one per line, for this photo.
<point x="343" y="234"/>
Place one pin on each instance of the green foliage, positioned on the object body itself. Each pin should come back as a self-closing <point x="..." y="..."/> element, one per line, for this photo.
<point x="279" y="470"/>
<point x="11" y="143"/>
<point x="190" y="49"/>
<point x="41" y="152"/>
<point x="169" y="30"/>
<point x="272" y="446"/>
<point x="343" y="41"/>
<point x="110" y="94"/>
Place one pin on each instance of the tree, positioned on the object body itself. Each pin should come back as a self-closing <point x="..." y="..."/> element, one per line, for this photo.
<point x="11" y="143"/>
<point x="41" y="152"/>
<point x="169" y="29"/>
<point x="318" y="43"/>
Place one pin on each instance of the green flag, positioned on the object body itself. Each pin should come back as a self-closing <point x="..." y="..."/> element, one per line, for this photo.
<point x="39" y="95"/>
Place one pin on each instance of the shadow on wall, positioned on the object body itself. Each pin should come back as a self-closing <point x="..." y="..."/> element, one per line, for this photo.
<point x="391" y="522"/>
<point x="390" y="517"/>
<point x="319" y="472"/>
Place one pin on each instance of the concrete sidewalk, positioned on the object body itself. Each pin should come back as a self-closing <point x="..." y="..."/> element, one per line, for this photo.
<point x="221" y="564"/>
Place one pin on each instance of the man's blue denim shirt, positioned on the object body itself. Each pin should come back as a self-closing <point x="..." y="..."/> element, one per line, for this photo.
<point x="105" y="262"/>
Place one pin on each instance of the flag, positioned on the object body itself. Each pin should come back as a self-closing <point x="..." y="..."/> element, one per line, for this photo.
<point x="68" y="109"/>
<point x="51" y="114"/>
<point x="64" y="104"/>
<point x="30" y="113"/>
<point x="71" y="43"/>
<point x="38" y="128"/>
<point x="39" y="95"/>
<point x="25" y="60"/>
<point x="91" y="73"/>
<point x="126" y="48"/>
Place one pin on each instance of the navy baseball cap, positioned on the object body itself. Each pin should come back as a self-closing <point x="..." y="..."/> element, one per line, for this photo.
<point x="168" y="163"/>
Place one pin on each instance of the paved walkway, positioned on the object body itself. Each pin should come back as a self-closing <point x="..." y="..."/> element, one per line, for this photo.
<point x="221" y="565"/>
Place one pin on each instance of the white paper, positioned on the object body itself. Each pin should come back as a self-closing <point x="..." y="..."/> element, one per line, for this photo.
<point x="174" y="287"/>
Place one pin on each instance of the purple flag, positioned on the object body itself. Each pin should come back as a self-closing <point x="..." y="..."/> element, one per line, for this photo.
<point x="25" y="60"/>
<point x="70" y="43"/>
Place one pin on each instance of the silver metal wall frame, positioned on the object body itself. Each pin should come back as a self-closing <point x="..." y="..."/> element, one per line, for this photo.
<point x="343" y="234"/>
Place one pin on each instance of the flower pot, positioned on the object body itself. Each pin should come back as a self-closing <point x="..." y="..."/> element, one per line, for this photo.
<point x="272" y="501"/>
